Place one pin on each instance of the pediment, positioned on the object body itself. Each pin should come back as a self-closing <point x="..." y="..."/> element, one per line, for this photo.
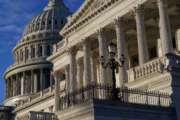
<point x="86" y="9"/>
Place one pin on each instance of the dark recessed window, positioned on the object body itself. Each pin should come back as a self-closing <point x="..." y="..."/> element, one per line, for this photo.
<point x="56" y="22"/>
<point x="40" y="51"/>
<point x="49" y="22"/>
<point x="62" y="22"/>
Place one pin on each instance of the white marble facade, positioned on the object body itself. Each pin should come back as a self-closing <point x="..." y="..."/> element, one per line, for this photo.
<point x="144" y="31"/>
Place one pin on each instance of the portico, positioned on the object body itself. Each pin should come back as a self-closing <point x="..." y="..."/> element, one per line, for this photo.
<point x="134" y="32"/>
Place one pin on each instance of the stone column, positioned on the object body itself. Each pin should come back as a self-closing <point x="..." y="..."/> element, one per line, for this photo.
<point x="41" y="79"/>
<point x="164" y="26"/>
<point x="102" y="54"/>
<point x="159" y="48"/>
<point x="79" y="74"/>
<point x="141" y="36"/>
<point x="87" y="63"/>
<point x="32" y="81"/>
<point x="121" y="50"/>
<point x="35" y="83"/>
<point x="51" y="80"/>
<point x="93" y="60"/>
<point x="67" y="78"/>
<point x="14" y="85"/>
<point x="22" y="83"/>
<point x="6" y="83"/>
<point x="72" y="56"/>
<point x="57" y="95"/>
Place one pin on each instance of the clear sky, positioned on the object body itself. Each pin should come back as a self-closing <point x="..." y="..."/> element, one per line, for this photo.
<point x="14" y="15"/>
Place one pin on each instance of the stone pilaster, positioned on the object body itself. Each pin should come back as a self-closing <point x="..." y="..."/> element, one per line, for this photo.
<point x="141" y="36"/>
<point x="121" y="50"/>
<point x="72" y="65"/>
<point x="67" y="78"/>
<point x="87" y="63"/>
<point x="164" y="26"/>
<point x="51" y="80"/>
<point x="57" y="90"/>
<point x="102" y="54"/>
<point x="44" y="50"/>
<point x="36" y="50"/>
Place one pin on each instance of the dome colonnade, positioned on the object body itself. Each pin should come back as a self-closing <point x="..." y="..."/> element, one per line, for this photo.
<point x="31" y="72"/>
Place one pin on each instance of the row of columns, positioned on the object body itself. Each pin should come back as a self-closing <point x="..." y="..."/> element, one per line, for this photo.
<point x="75" y="77"/>
<point x="32" y="51"/>
<point x="26" y="83"/>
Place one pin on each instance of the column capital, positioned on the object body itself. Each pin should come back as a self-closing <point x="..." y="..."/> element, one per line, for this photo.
<point x="100" y="31"/>
<point x="139" y="9"/>
<point x="72" y="50"/>
<point x="162" y="1"/>
<point x="119" y="20"/>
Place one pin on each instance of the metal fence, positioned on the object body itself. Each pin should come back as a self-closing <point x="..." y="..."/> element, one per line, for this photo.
<point x="124" y="95"/>
<point x="42" y="116"/>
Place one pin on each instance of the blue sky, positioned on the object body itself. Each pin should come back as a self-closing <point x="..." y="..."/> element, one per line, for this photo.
<point x="14" y="15"/>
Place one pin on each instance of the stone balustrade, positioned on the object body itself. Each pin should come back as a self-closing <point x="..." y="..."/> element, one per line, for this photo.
<point x="37" y="96"/>
<point x="147" y="69"/>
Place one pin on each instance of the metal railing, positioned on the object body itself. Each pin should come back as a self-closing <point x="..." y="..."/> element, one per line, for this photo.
<point x="125" y="95"/>
<point x="38" y="116"/>
<point x="42" y="116"/>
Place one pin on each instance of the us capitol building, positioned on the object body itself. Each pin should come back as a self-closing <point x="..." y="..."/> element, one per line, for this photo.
<point x="110" y="60"/>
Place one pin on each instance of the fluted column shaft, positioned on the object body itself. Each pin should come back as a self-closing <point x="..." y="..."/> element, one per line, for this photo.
<point x="165" y="29"/>
<point x="121" y="50"/>
<point x="87" y="64"/>
<point x="102" y="53"/>
<point x="141" y="36"/>
<point x="72" y="65"/>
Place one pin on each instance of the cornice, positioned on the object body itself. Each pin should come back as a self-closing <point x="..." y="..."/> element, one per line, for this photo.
<point x="73" y="24"/>
<point x="27" y="64"/>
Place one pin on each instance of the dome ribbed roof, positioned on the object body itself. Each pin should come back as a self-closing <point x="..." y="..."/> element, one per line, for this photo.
<point x="52" y="18"/>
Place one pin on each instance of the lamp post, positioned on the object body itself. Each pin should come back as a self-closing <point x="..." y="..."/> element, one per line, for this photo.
<point x="112" y="63"/>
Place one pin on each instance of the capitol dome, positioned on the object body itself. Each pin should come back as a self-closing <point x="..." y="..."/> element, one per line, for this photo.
<point x="30" y="72"/>
<point x="51" y="19"/>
